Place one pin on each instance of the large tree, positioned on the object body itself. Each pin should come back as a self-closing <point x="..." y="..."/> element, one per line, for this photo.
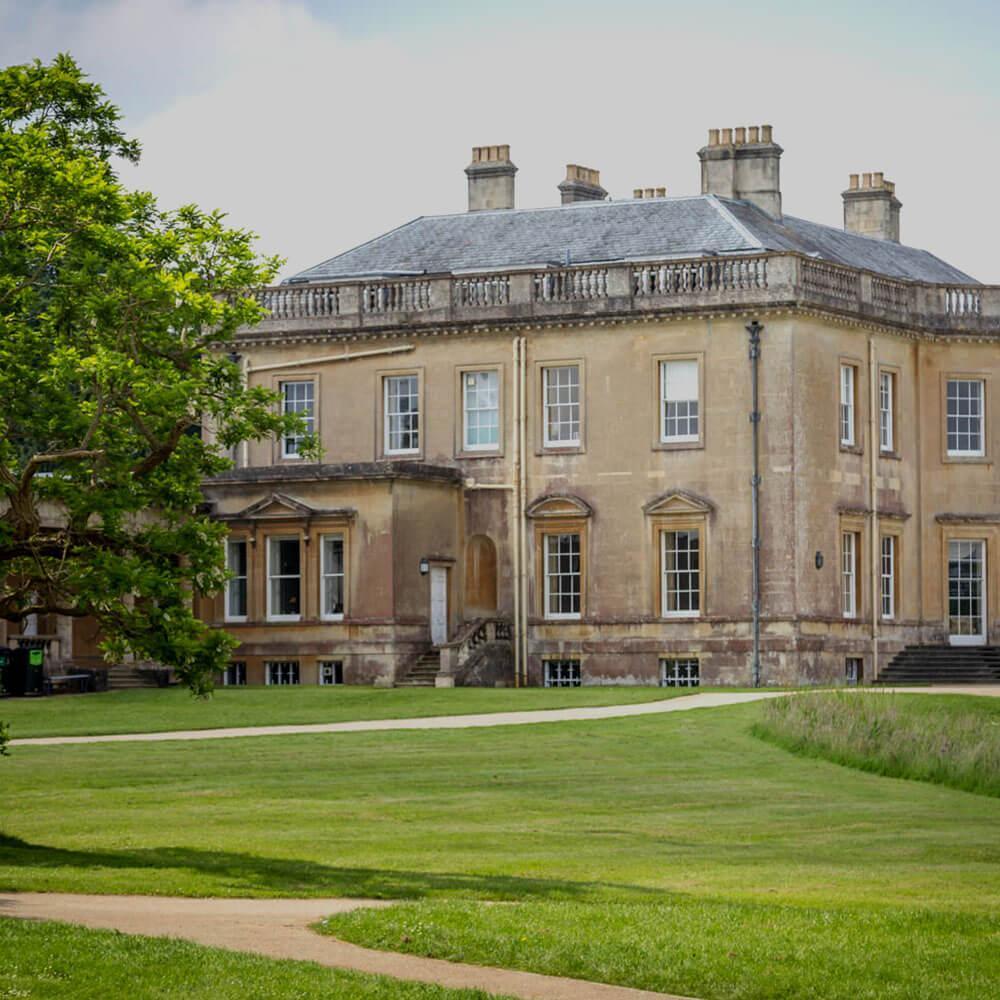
<point x="115" y="321"/>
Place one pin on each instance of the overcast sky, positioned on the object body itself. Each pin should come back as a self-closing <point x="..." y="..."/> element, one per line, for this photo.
<point x="320" y="125"/>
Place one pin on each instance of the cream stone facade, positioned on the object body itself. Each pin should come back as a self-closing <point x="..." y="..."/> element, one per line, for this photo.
<point x="538" y="462"/>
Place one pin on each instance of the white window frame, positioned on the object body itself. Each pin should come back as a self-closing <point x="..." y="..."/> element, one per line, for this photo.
<point x="231" y="543"/>
<point x="980" y="415"/>
<point x="666" y="573"/>
<point x="272" y="616"/>
<point x="290" y="443"/>
<point x="389" y="415"/>
<point x="849" y="573"/>
<point x="321" y="672"/>
<point x="562" y="672"/>
<point x="549" y="577"/>
<point x="327" y="576"/>
<point x="235" y="669"/>
<point x="282" y="669"/>
<point x="680" y="671"/>
<point x="688" y="417"/>
<point x="494" y="376"/>
<point x="886" y="404"/>
<point x="887" y="577"/>
<point x="848" y="409"/>
<point x="550" y="405"/>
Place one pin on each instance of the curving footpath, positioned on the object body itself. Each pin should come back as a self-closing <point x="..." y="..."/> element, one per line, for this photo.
<point x="712" y="699"/>
<point x="279" y="928"/>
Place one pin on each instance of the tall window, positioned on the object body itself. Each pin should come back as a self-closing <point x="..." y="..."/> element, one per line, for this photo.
<point x="888" y="576"/>
<point x="297" y="397"/>
<point x="402" y="414"/>
<point x="282" y="672"/>
<point x="562" y="576"/>
<point x="236" y="585"/>
<point x="561" y="389"/>
<point x="562" y="673"/>
<point x="847" y="379"/>
<point x="886" y="402"/>
<point x="849" y="573"/>
<point x="284" y="579"/>
<point x="681" y="573"/>
<point x="965" y="417"/>
<point x="332" y="576"/>
<point x="481" y="410"/>
<point x="679" y="401"/>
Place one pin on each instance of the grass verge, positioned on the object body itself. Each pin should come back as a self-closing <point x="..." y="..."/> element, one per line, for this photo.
<point x="156" y="711"/>
<point x="949" y="740"/>
<point x="50" y="961"/>
<point x="705" y="948"/>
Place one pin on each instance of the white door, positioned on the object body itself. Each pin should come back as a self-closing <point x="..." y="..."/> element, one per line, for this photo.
<point x="439" y="605"/>
<point x="967" y="592"/>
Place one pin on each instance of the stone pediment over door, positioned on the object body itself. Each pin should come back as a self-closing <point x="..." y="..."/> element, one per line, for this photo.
<point x="280" y="505"/>
<point x="679" y="502"/>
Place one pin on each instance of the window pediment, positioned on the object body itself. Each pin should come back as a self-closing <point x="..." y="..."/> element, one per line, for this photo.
<point x="559" y="506"/>
<point x="678" y="502"/>
<point x="280" y="505"/>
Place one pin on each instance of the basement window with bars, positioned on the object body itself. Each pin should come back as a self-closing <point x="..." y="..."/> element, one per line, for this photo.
<point x="855" y="670"/>
<point x="331" y="672"/>
<point x="235" y="675"/>
<point x="679" y="672"/>
<point x="562" y="673"/>
<point x="282" y="672"/>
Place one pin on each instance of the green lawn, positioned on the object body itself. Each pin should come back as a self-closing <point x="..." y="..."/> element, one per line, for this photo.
<point x="47" y="961"/>
<point x="155" y="710"/>
<point x="695" y="838"/>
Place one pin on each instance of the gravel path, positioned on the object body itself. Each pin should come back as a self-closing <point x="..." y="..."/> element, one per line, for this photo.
<point x="279" y="928"/>
<point x="708" y="699"/>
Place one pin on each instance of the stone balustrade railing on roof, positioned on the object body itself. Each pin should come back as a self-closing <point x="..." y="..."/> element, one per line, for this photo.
<point x="755" y="281"/>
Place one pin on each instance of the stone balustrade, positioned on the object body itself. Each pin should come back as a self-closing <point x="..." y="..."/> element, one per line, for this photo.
<point x="752" y="281"/>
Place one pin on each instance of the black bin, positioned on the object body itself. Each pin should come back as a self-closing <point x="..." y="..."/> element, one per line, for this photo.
<point x="6" y="672"/>
<point x="25" y="673"/>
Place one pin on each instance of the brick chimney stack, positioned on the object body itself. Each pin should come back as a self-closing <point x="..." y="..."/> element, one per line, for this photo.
<point x="491" y="178"/>
<point x="581" y="184"/>
<point x="744" y="164"/>
<point x="871" y="207"/>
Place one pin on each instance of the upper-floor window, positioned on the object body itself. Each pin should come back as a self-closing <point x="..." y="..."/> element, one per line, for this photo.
<point x="680" y="562"/>
<point x="848" y="378"/>
<point x="886" y="411"/>
<point x="236" y="585"/>
<point x="298" y="398"/>
<point x="284" y="579"/>
<point x="679" y="417"/>
<point x="562" y="575"/>
<point x="332" y="577"/>
<point x="966" y="397"/>
<point x="401" y="418"/>
<point x="561" y="396"/>
<point x="481" y="410"/>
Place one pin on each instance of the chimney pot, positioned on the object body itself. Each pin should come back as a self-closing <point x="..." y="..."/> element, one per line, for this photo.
<point x="637" y="193"/>
<point x="661" y="192"/>
<point x="754" y="134"/>
<point x="877" y="179"/>
<point x="765" y="133"/>
<point x="741" y="137"/>
<point x="713" y="137"/>
<point x="727" y="137"/>
<point x="866" y="180"/>
<point x="854" y="182"/>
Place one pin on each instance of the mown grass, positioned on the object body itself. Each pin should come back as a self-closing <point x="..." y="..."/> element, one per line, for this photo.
<point x="705" y="948"/>
<point x="950" y="740"/>
<point x="631" y="832"/>
<point x="155" y="711"/>
<point x="50" y="961"/>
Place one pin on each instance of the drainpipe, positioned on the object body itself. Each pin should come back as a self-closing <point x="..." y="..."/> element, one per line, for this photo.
<point x="754" y="331"/>
<point x="523" y="484"/>
<point x="876" y="542"/>
<point x="515" y="506"/>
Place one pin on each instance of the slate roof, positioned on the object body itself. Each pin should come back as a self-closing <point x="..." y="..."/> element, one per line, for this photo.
<point x="639" y="229"/>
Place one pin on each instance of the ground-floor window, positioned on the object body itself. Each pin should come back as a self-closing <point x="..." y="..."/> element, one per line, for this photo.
<point x="855" y="670"/>
<point x="280" y="672"/>
<point x="235" y="675"/>
<point x="562" y="673"/>
<point x="679" y="672"/>
<point x="331" y="672"/>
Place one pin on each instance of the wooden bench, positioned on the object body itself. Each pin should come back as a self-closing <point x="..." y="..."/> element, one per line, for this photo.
<point x="80" y="683"/>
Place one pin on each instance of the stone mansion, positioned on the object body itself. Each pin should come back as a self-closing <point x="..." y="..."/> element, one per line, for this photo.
<point x="550" y="457"/>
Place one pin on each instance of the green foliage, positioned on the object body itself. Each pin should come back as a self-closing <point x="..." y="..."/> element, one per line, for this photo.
<point x="115" y="320"/>
<point x="950" y="741"/>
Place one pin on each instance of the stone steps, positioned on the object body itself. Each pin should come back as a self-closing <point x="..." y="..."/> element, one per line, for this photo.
<point x="424" y="672"/>
<point x="943" y="665"/>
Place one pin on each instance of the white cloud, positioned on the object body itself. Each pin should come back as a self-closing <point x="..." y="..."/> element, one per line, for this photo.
<point x="319" y="141"/>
